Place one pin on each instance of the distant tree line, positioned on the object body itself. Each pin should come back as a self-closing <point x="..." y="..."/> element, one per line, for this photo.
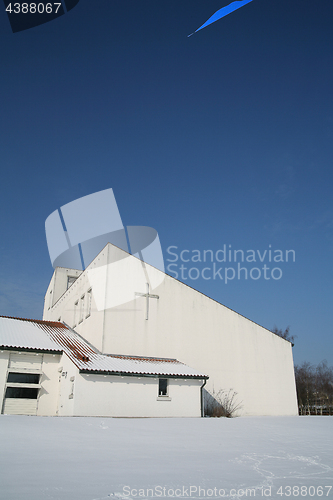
<point x="314" y="384"/>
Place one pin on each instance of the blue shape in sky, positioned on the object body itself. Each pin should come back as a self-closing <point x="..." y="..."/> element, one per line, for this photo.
<point x="223" y="12"/>
<point x="89" y="223"/>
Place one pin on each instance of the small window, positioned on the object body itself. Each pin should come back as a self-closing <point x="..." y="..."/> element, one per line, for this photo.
<point x="70" y="280"/>
<point x="81" y="309"/>
<point x="23" y="378"/>
<point x="21" y="392"/>
<point x="89" y="298"/>
<point x="76" y="306"/>
<point x="71" y="396"/>
<point x="163" y="387"/>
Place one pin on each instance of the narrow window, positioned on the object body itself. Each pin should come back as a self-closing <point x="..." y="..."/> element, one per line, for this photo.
<point x="70" y="281"/>
<point x="76" y="306"/>
<point x="81" y="309"/>
<point x="89" y="298"/>
<point x="71" y="396"/>
<point x="163" y="387"/>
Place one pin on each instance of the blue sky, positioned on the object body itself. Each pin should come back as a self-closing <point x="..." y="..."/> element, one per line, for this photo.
<point x="223" y="138"/>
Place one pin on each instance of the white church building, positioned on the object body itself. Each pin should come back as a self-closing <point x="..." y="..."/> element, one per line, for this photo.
<point x="124" y="308"/>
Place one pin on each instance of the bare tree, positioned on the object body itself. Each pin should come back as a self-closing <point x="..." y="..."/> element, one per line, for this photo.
<point x="221" y="404"/>
<point x="304" y="376"/>
<point x="284" y="334"/>
<point x="324" y="386"/>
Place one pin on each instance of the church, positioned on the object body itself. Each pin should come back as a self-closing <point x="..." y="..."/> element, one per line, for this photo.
<point x="122" y="306"/>
<point x="121" y="338"/>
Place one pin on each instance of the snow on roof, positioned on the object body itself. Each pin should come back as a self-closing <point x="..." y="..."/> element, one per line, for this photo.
<point x="24" y="335"/>
<point x="53" y="336"/>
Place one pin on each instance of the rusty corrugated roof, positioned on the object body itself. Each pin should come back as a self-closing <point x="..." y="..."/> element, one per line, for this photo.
<point x="59" y="337"/>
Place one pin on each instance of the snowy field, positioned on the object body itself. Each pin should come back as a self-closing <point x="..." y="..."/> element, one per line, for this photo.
<point x="44" y="458"/>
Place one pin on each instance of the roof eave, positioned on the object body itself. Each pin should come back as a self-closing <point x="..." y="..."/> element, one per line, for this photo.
<point x="30" y="349"/>
<point x="150" y="375"/>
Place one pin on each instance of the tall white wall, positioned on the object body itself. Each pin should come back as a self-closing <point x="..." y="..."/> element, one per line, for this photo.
<point x="234" y="351"/>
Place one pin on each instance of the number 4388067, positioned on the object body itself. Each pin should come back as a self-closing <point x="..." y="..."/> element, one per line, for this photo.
<point x="304" y="491"/>
<point x="33" y="8"/>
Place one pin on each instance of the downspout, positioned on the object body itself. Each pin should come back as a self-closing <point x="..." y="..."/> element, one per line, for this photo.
<point x="201" y="398"/>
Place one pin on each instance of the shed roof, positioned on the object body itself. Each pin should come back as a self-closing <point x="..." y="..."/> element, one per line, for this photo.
<point x="39" y="335"/>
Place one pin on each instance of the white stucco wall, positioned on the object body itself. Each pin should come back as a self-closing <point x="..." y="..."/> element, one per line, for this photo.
<point x="67" y="380"/>
<point x="57" y="287"/>
<point x="49" y="391"/>
<point x="66" y="392"/>
<point x="235" y="352"/>
<point x="91" y="328"/>
<point x="99" y="395"/>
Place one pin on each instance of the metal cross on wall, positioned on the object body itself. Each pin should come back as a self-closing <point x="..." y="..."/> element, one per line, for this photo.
<point x="148" y="296"/>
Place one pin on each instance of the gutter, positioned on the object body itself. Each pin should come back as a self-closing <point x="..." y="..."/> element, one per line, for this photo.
<point x="201" y="398"/>
<point x="30" y="349"/>
<point x="89" y="371"/>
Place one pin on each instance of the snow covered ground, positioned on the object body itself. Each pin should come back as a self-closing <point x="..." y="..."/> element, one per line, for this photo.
<point x="44" y="458"/>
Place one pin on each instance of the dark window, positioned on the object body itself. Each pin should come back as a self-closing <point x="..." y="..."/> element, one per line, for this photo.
<point x="23" y="378"/>
<point x="163" y="387"/>
<point x="70" y="280"/>
<point x="21" y="392"/>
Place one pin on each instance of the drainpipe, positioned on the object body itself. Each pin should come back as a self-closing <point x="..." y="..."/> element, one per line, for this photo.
<point x="201" y="398"/>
